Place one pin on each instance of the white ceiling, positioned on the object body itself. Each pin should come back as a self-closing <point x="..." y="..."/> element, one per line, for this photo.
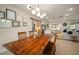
<point x="55" y="11"/>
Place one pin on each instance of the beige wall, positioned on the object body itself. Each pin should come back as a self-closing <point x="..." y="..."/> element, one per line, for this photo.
<point x="10" y="34"/>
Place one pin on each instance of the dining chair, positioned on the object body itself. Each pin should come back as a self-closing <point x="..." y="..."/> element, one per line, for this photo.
<point x="31" y="34"/>
<point x="22" y="35"/>
<point x="51" y="46"/>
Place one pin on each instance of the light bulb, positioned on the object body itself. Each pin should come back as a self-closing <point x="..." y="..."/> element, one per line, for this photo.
<point x="37" y="9"/>
<point x="44" y="14"/>
<point x="41" y="16"/>
<point x="28" y="6"/>
<point x="33" y="12"/>
<point x="38" y="15"/>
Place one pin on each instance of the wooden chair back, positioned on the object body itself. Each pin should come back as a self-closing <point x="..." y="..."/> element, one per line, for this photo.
<point x="22" y="35"/>
<point x="53" y="39"/>
<point x="31" y="34"/>
<point x="51" y="47"/>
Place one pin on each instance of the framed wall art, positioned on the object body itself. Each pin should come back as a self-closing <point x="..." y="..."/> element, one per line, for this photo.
<point x="10" y="14"/>
<point x="24" y="23"/>
<point x="2" y="15"/>
<point x="15" y="24"/>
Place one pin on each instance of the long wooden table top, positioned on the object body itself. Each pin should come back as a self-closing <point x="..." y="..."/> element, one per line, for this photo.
<point x="28" y="46"/>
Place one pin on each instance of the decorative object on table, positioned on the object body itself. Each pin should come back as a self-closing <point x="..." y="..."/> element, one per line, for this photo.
<point x="2" y="15"/>
<point x="24" y="23"/>
<point x="10" y="14"/>
<point x="15" y="24"/>
<point x="64" y="24"/>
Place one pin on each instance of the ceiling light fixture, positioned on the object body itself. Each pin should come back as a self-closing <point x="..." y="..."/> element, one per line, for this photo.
<point x="37" y="9"/>
<point x="38" y="14"/>
<point x="41" y="16"/>
<point x="70" y="9"/>
<point x="28" y="6"/>
<point x="44" y="14"/>
<point x="33" y="12"/>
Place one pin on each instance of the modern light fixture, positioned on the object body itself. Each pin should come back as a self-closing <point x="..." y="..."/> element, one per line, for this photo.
<point x="28" y="6"/>
<point x="33" y="12"/>
<point x="44" y="14"/>
<point x="38" y="14"/>
<point x="37" y="9"/>
<point x="41" y="16"/>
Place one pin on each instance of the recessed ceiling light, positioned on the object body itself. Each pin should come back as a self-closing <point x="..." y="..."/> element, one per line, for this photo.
<point x="33" y="12"/>
<point x="37" y="9"/>
<point x="70" y="9"/>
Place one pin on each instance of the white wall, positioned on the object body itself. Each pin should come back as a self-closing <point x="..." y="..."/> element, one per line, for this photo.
<point x="10" y="34"/>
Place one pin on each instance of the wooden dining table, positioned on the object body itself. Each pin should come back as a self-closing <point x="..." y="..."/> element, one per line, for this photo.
<point x="28" y="46"/>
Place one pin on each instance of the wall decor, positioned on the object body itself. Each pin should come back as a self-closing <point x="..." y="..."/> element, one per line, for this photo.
<point x="64" y="24"/>
<point x="15" y="24"/>
<point x="10" y="14"/>
<point x="2" y="15"/>
<point x="43" y="27"/>
<point x="24" y="23"/>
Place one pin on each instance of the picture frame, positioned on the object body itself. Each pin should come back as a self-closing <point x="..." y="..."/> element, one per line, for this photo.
<point x="10" y="14"/>
<point x="2" y="15"/>
<point x="24" y="23"/>
<point x="64" y="24"/>
<point x="43" y="27"/>
<point x="15" y="24"/>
